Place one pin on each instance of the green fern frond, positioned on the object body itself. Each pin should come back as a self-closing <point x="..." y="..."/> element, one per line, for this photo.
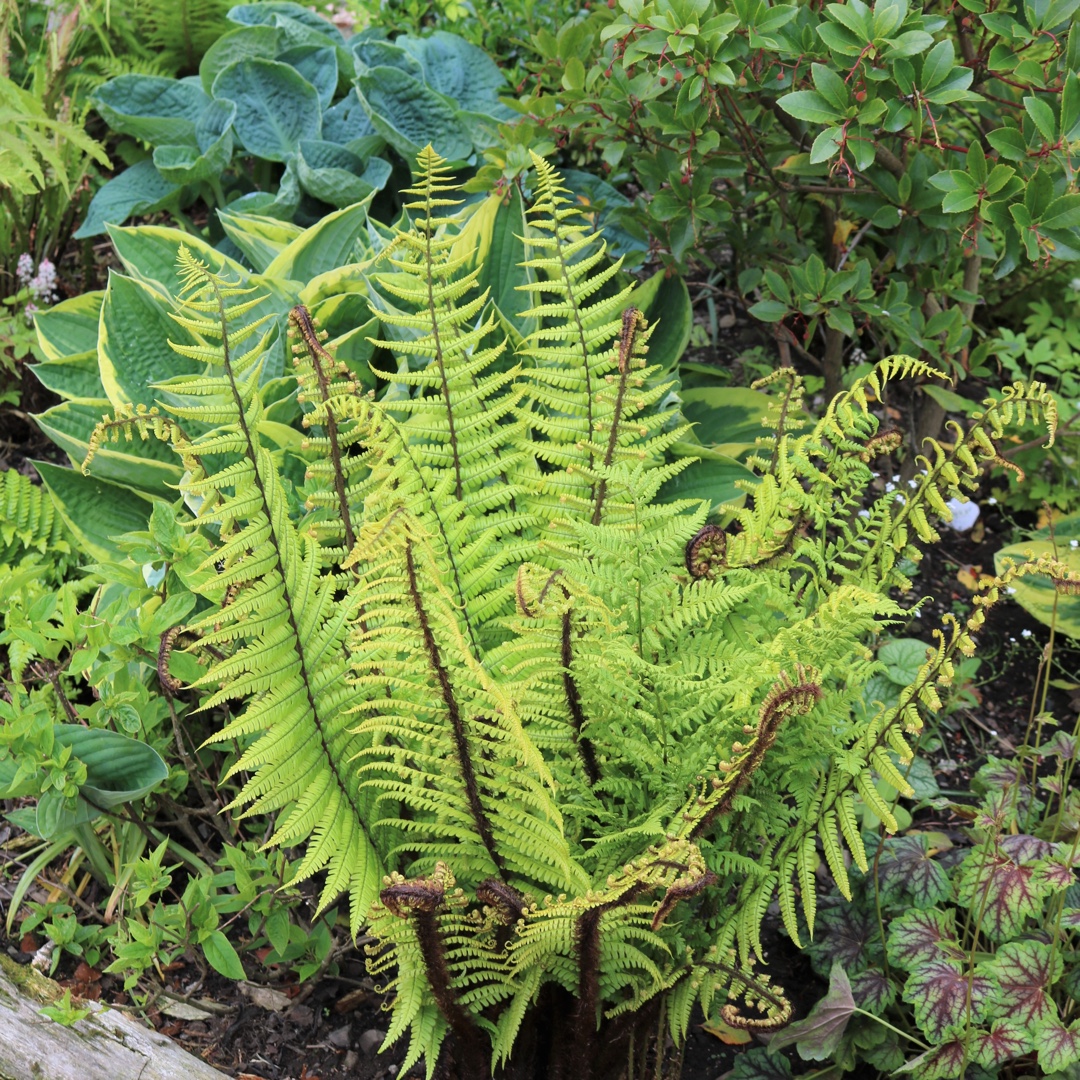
<point x="28" y="520"/>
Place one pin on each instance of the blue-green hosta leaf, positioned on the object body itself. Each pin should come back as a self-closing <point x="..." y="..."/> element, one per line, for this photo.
<point x="337" y="176"/>
<point x="241" y="44"/>
<point x="372" y="53"/>
<point x="267" y="13"/>
<point x="95" y="510"/>
<point x="280" y="204"/>
<point x="276" y="106"/>
<point x="603" y="204"/>
<point x="186" y="165"/>
<point x="348" y="121"/>
<point x="725" y="417"/>
<point x="70" y="327"/>
<point x="919" y="937"/>
<point x="1025" y="971"/>
<point x="317" y="64"/>
<point x="409" y="115"/>
<point x="138" y="190"/>
<point x="149" y="107"/>
<point x="458" y="69"/>
<point x="944" y="999"/>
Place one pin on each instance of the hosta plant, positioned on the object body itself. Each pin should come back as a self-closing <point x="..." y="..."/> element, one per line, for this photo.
<point x="288" y="119"/>
<point x="557" y="738"/>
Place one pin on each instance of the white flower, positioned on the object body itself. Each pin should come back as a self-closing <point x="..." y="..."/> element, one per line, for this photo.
<point x="1075" y="284"/>
<point x="899" y="496"/>
<point x="24" y="268"/>
<point x="1010" y="590"/>
<point x="890" y="487"/>
<point x="1074" y="543"/>
<point x="991" y="501"/>
<point x="1025" y="633"/>
<point x="913" y="483"/>
<point x="964" y="514"/>
<point x="896" y="479"/>
<point x="864" y="513"/>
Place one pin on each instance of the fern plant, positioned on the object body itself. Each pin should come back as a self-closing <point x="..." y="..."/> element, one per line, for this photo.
<point x="560" y="739"/>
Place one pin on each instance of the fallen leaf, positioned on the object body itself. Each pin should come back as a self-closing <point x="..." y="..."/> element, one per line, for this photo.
<point x="841" y="231"/>
<point x="265" y="997"/>
<point x="978" y="533"/>
<point x="732" y="1036"/>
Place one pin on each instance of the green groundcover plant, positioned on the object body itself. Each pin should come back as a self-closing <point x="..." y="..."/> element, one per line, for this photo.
<point x="556" y="737"/>
<point x="288" y="119"/>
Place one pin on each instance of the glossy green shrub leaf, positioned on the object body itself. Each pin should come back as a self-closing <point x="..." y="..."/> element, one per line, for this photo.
<point x="138" y="190"/>
<point x="409" y="115"/>
<point x="276" y="107"/>
<point x="222" y="957"/>
<point x="94" y="509"/>
<point x="1037" y="595"/>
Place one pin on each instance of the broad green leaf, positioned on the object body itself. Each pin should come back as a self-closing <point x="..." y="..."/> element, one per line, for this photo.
<point x="769" y="310"/>
<point x="1005" y="1041"/>
<point x="319" y="66"/>
<point x="1058" y="1045"/>
<point x="245" y="43"/>
<point x="830" y="86"/>
<point x="492" y="239"/>
<point x="134" y="350"/>
<point x="665" y="303"/>
<point x="272" y="12"/>
<point x="1062" y="213"/>
<point x="186" y="165"/>
<point x="712" y="478"/>
<point x="261" y="239"/>
<point x="908" y="871"/>
<point x="149" y="107"/>
<point x="810" y="106"/>
<point x="1006" y="892"/>
<point x="949" y="400"/>
<point x="937" y="65"/>
<point x="1042" y="116"/>
<point x="1009" y="143"/>
<point x="275" y="106"/>
<point x="726" y="415"/>
<point x="95" y="510"/>
<point x="70" y="327"/>
<point x="348" y="121"/>
<point x="409" y="115"/>
<point x="222" y="957"/>
<point x="372" y="53"/>
<point x="330" y="244"/>
<point x="458" y="69"/>
<point x="335" y="175"/>
<point x="826" y="145"/>
<point x="138" y="190"/>
<point x="118" y="769"/>
<point x="1036" y="593"/>
<point x="74" y="378"/>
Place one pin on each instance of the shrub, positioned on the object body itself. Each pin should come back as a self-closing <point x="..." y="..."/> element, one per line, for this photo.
<point x="865" y="174"/>
<point x="484" y="650"/>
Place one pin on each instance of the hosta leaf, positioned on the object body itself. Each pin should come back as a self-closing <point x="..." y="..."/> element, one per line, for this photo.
<point x="237" y="45"/>
<point x="820" y="1033"/>
<point x="459" y="70"/>
<point x="152" y="108"/>
<point x="1058" y="1045"/>
<point x="939" y="991"/>
<point x="138" y="190"/>
<point x="1025" y="971"/>
<point x="907" y="870"/>
<point x="1007" y="893"/>
<point x="922" y="936"/>
<point x="1007" y="1039"/>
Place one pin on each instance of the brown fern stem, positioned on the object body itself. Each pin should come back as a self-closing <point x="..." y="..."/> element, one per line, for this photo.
<point x="573" y="701"/>
<point x="457" y="724"/>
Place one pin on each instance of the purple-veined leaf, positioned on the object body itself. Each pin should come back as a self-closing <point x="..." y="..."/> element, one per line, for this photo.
<point x="1025" y="971"/>
<point x="872" y="990"/>
<point x="1062" y="745"/>
<point x="939" y="992"/>
<point x="921" y="936"/>
<point x="759" y="1064"/>
<point x="1057" y="875"/>
<point x="1058" y="1045"/>
<point x="846" y="934"/>
<point x="1022" y="848"/>
<point x="1001" y="775"/>
<point x="820" y="1033"/>
<point x="941" y="1063"/>
<point x="1070" y="918"/>
<point x="1007" y="893"/>
<point x="1006" y="1040"/>
<point x="906" y="869"/>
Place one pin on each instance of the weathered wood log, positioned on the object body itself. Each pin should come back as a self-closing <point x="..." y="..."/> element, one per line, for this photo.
<point x="106" y="1045"/>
